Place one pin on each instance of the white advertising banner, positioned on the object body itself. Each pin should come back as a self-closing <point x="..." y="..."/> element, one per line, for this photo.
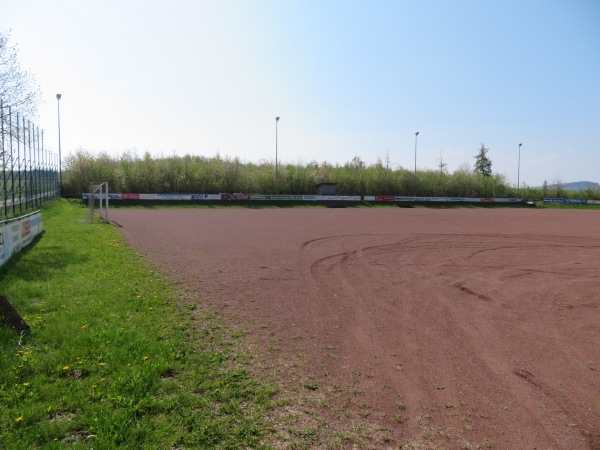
<point x="206" y="196"/>
<point x="344" y="198"/>
<point x="18" y="233"/>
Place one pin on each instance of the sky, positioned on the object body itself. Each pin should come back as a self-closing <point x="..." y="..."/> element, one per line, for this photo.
<point x="347" y="78"/>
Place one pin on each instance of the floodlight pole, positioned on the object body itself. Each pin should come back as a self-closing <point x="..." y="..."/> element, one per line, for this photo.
<point x="58" y="97"/>
<point x="276" y="163"/>
<point x="416" y="134"/>
<point x="519" y="172"/>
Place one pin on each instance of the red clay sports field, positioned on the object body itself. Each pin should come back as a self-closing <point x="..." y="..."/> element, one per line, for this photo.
<point x="482" y="325"/>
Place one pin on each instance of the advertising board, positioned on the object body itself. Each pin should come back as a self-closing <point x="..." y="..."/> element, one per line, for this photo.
<point x="172" y="197"/>
<point x="206" y="196"/>
<point x="277" y="197"/>
<point x="18" y="233"/>
<point x="235" y="196"/>
<point x="566" y="200"/>
<point x="130" y="196"/>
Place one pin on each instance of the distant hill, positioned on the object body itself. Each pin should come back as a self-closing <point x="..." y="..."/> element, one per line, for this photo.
<point x="577" y="186"/>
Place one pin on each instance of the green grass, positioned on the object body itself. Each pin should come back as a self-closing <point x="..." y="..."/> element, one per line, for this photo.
<point x="113" y="360"/>
<point x="549" y="205"/>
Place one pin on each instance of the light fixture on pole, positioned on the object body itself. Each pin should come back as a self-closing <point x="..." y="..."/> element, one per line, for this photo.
<point x="519" y="172"/>
<point x="276" y="164"/>
<point x="416" y="134"/>
<point x="58" y="97"/>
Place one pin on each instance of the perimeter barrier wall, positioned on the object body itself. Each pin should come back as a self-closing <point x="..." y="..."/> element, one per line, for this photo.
<point x="392" y="198"/>
<point x="308" y="198"/>
<point x="15" y="234"/>
<point x="340" y="198"/>
<point x="572" y="201"/>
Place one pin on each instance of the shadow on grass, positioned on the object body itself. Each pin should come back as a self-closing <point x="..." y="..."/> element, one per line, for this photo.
<point x="50" y="260"/>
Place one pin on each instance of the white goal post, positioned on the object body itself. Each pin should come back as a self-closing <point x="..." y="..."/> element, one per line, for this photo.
<point x="98" y="200"/>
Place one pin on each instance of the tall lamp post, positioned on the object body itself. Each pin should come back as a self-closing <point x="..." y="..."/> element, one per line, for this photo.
<point x="58" y="96"/>
<point x="276" y="164"/>
<point x="416" y="134"/>
<point x="519" y="172"/>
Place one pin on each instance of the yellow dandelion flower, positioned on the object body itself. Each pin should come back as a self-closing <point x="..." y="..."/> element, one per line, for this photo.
<point x="19" y="419"/>
<point x="66" y="368"/>
<point x="26" y="384"/>
<point x="146" y="357"/>
<point x="102" y="364"/>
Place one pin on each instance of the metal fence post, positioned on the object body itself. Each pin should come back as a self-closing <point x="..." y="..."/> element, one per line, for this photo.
<point x="4" y="193"/>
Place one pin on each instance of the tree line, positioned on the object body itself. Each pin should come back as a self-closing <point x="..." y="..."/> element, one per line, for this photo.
<point x="212" y="175"/>
<point x="199" y="174"/>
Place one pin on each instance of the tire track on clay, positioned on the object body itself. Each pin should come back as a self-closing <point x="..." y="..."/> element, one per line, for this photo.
<point x="453" y="320"/>
<point x="565" y="253"/>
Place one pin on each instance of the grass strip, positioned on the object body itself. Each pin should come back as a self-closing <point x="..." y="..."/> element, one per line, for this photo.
<point x="113" y="360"/>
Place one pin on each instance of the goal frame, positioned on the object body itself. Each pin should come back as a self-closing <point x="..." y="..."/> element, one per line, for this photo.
<point x="98" y="190"/>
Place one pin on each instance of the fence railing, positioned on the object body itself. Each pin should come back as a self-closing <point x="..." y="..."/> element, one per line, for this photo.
<point x="29" y="171"/>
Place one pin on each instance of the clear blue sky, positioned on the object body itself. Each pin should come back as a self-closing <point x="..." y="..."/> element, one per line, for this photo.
<point x="348" y="78"/>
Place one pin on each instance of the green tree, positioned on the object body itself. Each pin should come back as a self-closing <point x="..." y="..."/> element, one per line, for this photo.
<point x="483" y="164"/>
<point x="558" y="185"/>
<point x="545" y="189"/>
